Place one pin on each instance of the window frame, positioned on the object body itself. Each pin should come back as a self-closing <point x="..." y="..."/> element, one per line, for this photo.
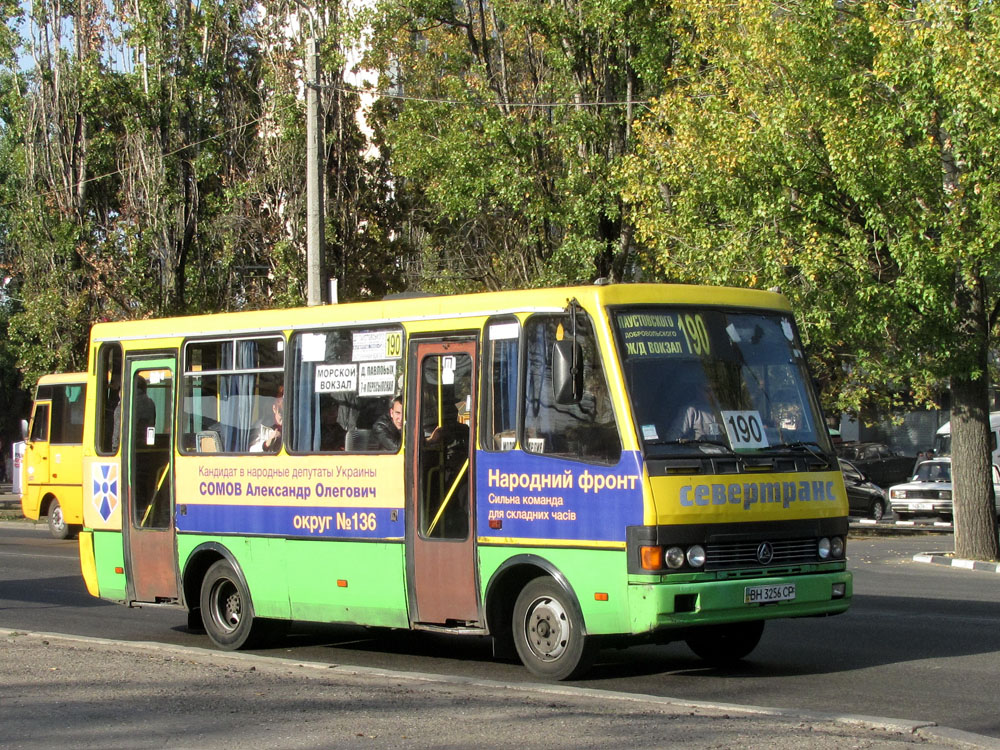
<point x="185" y="373"/>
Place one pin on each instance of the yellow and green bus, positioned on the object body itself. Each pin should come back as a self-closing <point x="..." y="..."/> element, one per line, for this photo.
<point x="560" y="469"/>
<point x="51" y="481"/>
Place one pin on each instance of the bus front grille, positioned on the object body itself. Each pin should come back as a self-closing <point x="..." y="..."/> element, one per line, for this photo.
<point x="784" y="552"/>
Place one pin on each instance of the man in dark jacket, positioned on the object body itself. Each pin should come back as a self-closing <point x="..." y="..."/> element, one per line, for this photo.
<point x="388" y="428"/>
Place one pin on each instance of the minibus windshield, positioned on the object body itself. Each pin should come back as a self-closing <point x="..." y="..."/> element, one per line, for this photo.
<point x="703" y="380"/>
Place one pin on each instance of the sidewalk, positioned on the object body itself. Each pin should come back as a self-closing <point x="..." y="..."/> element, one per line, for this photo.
<point x="94" y="693"/>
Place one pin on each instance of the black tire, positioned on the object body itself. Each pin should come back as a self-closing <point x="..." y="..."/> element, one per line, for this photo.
<point x="58" y="527"/>
<point x="724" y="645"/>
<point x="548" y="632"/>
<point x="226" y="609"/>
<point x="877" y="509"/>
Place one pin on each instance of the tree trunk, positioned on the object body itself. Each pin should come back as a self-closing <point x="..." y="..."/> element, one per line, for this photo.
<point x="972" y="478"/>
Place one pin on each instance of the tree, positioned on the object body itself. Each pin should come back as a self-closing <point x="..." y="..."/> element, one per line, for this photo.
<point x="844" y="153"/>
<point x="510" y="119"/>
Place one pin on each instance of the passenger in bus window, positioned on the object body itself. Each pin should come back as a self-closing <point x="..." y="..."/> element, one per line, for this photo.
<point x="332" y="433"/>
<point x="144" y="411"/>
<point x="143" y="415"/>
<point x="388" y="428"/>
<point x="267" y="438"/>
<point x="698" y="421"/>
<point x="112" y="411"/>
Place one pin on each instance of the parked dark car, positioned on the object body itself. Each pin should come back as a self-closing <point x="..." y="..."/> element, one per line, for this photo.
<point x="864" y="498"/>
<point x="877" y="462"/>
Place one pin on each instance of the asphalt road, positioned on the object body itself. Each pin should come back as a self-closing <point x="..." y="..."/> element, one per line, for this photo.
<point x="920" y="643"/>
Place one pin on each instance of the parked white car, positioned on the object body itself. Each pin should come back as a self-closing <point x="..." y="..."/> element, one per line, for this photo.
<point x="928" y="493"/>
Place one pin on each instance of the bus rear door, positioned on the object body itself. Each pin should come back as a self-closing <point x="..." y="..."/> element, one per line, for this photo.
<point x="150" y="549"/>
<point x="440" y="505"/>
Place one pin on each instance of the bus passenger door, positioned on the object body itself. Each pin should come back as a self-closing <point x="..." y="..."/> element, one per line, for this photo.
<point x="147" y="452"/>
<point x="440" y="491"/>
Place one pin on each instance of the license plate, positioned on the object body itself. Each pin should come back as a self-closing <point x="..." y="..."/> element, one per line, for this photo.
<point x="765" y="594"/>
<point x="922" y="506"/>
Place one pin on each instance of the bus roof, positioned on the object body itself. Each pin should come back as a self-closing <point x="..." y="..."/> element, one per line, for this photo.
<point x="60" y="378"/>
<point x="444" y="306"/>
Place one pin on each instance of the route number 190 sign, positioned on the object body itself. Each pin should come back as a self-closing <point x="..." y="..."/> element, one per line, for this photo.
<point x="745" y="430"/>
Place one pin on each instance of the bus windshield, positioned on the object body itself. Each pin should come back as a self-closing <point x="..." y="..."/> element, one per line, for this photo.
<point x="715" y="381"/>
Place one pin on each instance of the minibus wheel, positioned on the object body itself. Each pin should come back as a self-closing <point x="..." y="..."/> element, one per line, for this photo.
<point x="226" y="609"/>
<point x="722" y="645"/>
<point x="58" y="527"/>
<point x="548" y="631"/>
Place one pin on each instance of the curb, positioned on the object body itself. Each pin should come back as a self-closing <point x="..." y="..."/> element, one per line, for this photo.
<point x="926" y="730"/>
<point x="945" y="558"/>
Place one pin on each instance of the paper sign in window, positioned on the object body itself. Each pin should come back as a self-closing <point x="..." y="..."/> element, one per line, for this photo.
<point x="377" y="378"/>
<point x="313" y="347"/>
<point x="337" y="378"/>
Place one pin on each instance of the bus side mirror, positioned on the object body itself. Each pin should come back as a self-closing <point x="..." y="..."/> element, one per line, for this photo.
<point x="24" y="429"/>
<point x="567" y="384"/>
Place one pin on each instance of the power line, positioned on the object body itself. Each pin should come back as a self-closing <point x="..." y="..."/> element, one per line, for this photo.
<point x="458" y="102"/>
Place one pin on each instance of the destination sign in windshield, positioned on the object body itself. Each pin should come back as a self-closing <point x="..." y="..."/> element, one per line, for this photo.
<point x="664" y="334"/>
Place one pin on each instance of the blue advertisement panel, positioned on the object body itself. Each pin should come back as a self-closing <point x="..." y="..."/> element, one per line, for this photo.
<point x="522" y="495"/>
<point x="293" y="521"/>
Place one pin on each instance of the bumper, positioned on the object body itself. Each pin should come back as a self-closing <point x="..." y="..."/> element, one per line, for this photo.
<point x="661" y="606"/>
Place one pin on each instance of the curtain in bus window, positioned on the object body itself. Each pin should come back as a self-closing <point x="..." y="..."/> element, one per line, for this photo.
<point x="237" y="395"/>
<point x="503" y="395"/>
<point x="304" y="435"/>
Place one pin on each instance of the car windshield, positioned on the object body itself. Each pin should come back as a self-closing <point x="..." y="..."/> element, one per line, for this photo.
<point x="933" y="471"/>
<point x="705" y="381"/>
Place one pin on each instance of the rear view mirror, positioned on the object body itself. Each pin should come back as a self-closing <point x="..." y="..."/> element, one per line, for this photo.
<point x="567" y="372"/>
<point x="24" y="429"/>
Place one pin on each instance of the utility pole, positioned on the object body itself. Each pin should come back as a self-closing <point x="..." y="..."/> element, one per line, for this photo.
<point x="315" y="196"/>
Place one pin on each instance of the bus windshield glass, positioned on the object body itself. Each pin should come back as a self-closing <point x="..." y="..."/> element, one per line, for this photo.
<point x="711" y="381"/>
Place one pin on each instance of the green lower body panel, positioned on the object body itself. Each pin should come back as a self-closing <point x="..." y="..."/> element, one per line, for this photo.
<point x="660" y="606"/>
<point x="614" y="605"/>
<point x="109" y="556"/>
<point x="317" y="580"/>
<point x="596" y="577"/>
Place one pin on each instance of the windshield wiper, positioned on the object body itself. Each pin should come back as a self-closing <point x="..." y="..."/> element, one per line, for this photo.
<point x="808" y="446"/>
<point x="695" y="442"/>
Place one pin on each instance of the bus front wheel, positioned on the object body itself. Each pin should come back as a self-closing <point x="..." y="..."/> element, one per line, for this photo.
<point x="548" y="632"/>
<point x="723" y="645"/>
<point x="227" y="614"/>
<point x="58" y="527"/>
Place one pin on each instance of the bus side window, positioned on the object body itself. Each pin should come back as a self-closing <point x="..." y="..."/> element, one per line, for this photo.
<point x="39" y="424"/>
<point x="109" y="383"/>
<point x="585" y="429"/>
<point x="342" y="383"/>
<point x="229" y="391"/>
<point x="501" y="369"/>
<point x="67" y="414"/>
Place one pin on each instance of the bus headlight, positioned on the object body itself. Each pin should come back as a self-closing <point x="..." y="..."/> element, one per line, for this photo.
<point x="823" y="549"/>
<point x="674" y="557"/>
<point x="837" y="547"/>
<point x="696" y="556"/>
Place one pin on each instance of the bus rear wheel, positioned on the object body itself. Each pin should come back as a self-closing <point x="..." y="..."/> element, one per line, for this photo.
<point x="226" y="610"/>
<point x="548" y="632"/>
<point x="724" y="645"/>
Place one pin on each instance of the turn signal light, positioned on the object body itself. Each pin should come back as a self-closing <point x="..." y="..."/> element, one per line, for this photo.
<point x="651" y="558"/>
